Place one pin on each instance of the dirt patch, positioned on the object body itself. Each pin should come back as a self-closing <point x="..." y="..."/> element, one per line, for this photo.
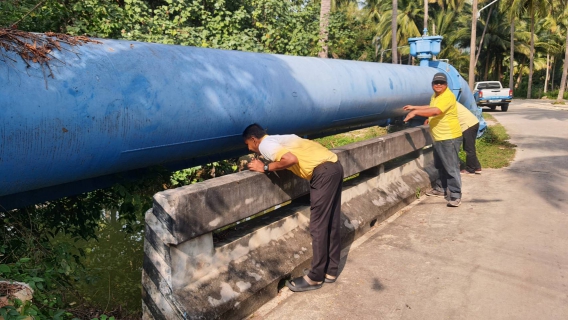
<point x="13" y="290"/>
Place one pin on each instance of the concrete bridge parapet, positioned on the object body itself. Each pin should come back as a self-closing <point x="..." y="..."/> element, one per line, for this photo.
<point x="193" y="271"/>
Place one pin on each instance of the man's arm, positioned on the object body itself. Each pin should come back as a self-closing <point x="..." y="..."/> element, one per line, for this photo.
<point x="411" y="107"/>
<point x="423" y="112"/>
<point x="287" y="160"/>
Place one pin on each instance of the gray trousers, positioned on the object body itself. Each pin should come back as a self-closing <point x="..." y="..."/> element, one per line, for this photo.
<point x="447" y="161"/>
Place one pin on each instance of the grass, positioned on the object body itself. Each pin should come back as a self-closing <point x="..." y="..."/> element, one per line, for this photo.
<point x="493" y="149"/>
<point x="342" y="139"/>
<point x="488" y="116"/>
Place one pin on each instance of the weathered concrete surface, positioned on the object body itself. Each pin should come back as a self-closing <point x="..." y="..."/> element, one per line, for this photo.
<point x="193" y="210"/>
<point x="231" y="279"/>
<point x="501" y="255"/>
<point x="186" y="275"/>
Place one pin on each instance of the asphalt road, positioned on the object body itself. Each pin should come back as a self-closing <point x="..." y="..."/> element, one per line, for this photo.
<point x="503" y="254"/>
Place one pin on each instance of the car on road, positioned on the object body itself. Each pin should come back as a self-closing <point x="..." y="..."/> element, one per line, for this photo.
<point x="492" y="94"/>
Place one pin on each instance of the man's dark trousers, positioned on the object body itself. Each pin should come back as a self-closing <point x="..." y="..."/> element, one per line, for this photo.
<point x="471" y="161"/>
<point x="325" y="222"/>
<point x="447" y="161"/>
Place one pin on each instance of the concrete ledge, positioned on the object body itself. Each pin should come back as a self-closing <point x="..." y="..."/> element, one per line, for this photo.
<point x="197" y="279"/>
<point x="194" y="210"/>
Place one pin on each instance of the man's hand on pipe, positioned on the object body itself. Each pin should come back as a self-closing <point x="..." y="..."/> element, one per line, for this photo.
<point x="410" y="115"/>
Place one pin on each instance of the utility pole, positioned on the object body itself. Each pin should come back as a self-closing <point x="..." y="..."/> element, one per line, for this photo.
<point x="426" y="18"/>
<point x="472" y="45"/>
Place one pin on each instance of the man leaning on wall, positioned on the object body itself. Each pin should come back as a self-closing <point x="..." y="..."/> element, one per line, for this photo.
<point x="446" y="132"/>
<point x="315" y="163"/>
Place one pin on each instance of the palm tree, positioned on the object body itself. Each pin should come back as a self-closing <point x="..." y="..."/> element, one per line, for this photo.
<point x="394" y="31"/>
<point x="452" y="24"/>
<point x="512" y="53"/>
<point x="533" y="8"/>
<point x="560" y="97"/>
<point x="513" y="13"/>
<point x="551" y="41"/>
<point x="408" y="13"/>
<point x="324" y="22"/>
<point x="522" y="50"/>
<point x="563" y="22"/>
<point x="493" y="45"/>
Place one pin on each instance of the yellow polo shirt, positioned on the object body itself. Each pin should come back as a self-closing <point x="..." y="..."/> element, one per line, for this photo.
<point x="465" y="117"/>
<point x="310" y="154"/>
<point x="445" y="126"/>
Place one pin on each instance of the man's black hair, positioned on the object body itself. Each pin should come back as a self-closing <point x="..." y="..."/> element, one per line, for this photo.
<point x="254" y="130"/>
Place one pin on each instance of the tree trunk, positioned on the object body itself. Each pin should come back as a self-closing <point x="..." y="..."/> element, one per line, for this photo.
<point x="500" y="69"/>
<point x="483" y="35"/>
<point x="519" y="78"/>
<point x="553" y="73"/>
<point x="512" y="53"/>
<point x="492" y="68"/>
<point x="324" y="22"/>
<point x="486" y="73"/>
<point x="560" y="97"/>
<point x="547" y="72"/>
<point x="531" y="62"/>
<point x="394" y="32"/>
<point x="472" y="45"/>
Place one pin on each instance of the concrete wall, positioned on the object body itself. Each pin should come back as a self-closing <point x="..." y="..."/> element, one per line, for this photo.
<point x="191" y="272"/>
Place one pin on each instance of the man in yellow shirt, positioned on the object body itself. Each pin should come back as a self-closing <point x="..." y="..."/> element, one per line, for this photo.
<point x="315" y="163"/>
<point x="442" y="114"/>
<point x="469" y="126"/>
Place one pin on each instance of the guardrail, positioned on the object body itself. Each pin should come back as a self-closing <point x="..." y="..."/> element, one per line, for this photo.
<point x="190" y="275"/>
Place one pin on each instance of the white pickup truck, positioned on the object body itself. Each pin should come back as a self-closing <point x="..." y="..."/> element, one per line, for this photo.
<point x="491" y="94"/>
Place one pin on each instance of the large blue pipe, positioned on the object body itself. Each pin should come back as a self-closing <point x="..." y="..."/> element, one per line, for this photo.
<point x="122" y="105"/>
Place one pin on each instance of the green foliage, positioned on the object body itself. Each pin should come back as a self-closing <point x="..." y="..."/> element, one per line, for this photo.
<point x="350" y="35"/>
<point x="201" y="173"/>
<point x="44" y="280"/>
<point x="554" y="94"/>
<point x="342" y="139"/>
<point x="273" y="26"/>
<point x="103" y="317"/>
<point x="71" y="248"/>
<point x="49" y="15"/>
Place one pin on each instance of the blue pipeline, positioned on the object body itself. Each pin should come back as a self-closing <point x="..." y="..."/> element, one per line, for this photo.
<point x="119" y="106"/>
<point x="122" y="105"/>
